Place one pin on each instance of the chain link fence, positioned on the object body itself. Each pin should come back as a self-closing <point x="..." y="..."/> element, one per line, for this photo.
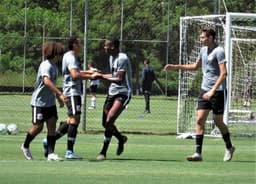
<point x="143" y="29"/>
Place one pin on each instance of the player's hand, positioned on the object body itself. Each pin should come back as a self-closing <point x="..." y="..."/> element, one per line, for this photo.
<point x="61" y="103"/>
<point x="96" y="75"/>
<point x="208" y="95"/>
<point x="62" y="100"/>
<point x="169" y="67"/>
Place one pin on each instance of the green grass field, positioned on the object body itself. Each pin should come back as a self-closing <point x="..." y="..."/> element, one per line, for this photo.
<point x="16" y="109"/>
<point x="151" y="155"/>
<point x="147" y="159"/>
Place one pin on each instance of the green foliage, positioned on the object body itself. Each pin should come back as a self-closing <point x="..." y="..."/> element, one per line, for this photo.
<point x="142" y="20"/>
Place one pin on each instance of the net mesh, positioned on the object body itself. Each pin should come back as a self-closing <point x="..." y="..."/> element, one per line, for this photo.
<point x="241" y="74"/>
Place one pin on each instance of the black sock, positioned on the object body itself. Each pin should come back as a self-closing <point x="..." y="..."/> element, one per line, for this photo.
<point x="117" y="134"/>
<point x="106" y="142"/>
<point x="51" y="144"/>
<point x="62" y="130"/>
<point x="28" y="140"/>
<point x="72" y="132"/>
<point x="226" y="138"/>
<point x="199" y="143"/>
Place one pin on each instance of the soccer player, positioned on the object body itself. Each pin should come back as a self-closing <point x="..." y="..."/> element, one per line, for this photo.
<point x="43" y="100"/>
<point x="118" y="97"/>
<point x="247" y="94"/>
<point x="72" y="88"/>
<point x="148" y="77"/>
<point x="93" y="87"/>
<point x="213" y="91"/>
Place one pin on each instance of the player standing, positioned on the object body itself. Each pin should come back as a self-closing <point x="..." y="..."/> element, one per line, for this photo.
<point x="72" y="77"/>
<point x="147" y="78"/>
<point x="43" y="101"/>
<point x="93" y="87"/>
<point x="213" y="91"/>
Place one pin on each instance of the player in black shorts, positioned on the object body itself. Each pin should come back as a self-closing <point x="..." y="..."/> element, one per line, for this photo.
<point x="43" y="101"/>
<point x="212" y="96"/>
<point x="119" y="95"/>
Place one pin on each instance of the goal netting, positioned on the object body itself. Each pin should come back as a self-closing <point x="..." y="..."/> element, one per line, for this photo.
<point x="236" y="32"/>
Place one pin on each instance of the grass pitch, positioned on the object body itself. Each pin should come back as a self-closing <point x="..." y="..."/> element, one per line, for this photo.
<point x="147" y="159"/>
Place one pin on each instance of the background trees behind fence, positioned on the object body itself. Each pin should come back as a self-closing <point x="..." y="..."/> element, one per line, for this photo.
<point x="147" y="28"/>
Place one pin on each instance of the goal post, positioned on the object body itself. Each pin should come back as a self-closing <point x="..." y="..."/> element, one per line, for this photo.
<point x="236" y="32"/>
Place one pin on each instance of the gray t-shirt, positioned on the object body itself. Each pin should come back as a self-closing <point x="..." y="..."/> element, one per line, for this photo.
<point x="121" y="63"/>
<point x="210" y="66"/>
<point x="42" y="95"/>
<point x="71" y="87"/>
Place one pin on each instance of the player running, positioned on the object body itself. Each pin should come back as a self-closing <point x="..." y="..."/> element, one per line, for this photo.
<point x="119" y="95"/>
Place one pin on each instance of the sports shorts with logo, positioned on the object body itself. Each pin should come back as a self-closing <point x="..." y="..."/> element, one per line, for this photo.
<point x="41" y="114"/>
<point x="74" y="105"/>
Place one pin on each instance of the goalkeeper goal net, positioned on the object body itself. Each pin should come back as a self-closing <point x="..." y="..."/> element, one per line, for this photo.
<point x="236" y="32"/>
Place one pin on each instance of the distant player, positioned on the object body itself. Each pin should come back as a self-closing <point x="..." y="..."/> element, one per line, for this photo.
<point x="147" y="78"/>
<point x="119" y="95"/>
<point x="247" y="94"/>
<point x="213" y="91"/>
<point x="93" y="87"/>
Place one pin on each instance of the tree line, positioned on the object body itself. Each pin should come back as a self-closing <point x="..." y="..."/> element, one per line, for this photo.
<point x="144" y="26"/>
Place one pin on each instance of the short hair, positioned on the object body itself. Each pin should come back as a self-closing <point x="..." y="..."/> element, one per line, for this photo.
<point x="209" y="32"/>
<point x="91" y="63"/>
<point x="52" y="49"/>
<point x="71" y="41"/>
<point x="147" y="61"/>
<point x="114" y="42"/>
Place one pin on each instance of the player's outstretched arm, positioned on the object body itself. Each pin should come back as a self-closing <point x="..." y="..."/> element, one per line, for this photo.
<point x="84" y="74"/>
<point x="118" y="78"/>
<point x="193" y="66"/>
<point x="170" y="67"/>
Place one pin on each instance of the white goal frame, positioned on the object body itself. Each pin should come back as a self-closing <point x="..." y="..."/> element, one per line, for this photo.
<point x="228" y="36"/>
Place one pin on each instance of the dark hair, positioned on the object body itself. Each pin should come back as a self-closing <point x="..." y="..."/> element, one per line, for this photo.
<point x="52" y="49"/>
<point x="73" y="39"/>
<point x="147" y="60"/>
<point x="90" y="63"/>
<point x="114" y="41"/>
<point x="209" y="32"/>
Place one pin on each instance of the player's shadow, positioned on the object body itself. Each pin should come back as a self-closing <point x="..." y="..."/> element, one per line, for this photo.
<point x="138" y="159"/>
<point x="166" y="160"/>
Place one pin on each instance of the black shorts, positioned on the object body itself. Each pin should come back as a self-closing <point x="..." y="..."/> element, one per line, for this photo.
<point x="41" y="114"/>
<point x="74" y="105"/>
<point x="216" y="103"/>
<point x="110" y="100"/>
<point x="93" y="88"/>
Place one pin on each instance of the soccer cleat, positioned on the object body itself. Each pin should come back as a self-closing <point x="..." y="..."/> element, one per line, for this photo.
<point x="229" y="154"/>
<point x="195" y="157"/>
<point x="71" y="155"/>
<point x="147" y="112"/>
<point x="120" y="147"/>
<point x="45" y="147"/>
<point x="26" y="152"/>
<point x="101" y="157"/>
<point x="54" y="157"/>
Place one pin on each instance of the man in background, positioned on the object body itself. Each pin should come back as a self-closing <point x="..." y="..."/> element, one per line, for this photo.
<point x="93" y="86"/>
<point x="148" y="77"/>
